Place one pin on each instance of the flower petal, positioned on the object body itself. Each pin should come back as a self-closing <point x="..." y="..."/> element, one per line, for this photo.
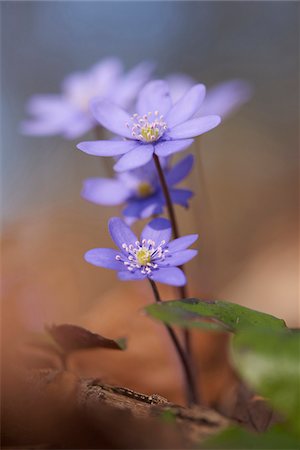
<point x="78" y="126"/>
<point x="51" y="116"/>
<point x="225" y="98"/>
<point x="181" y="196"/>
<point x="143" y="208"/>
<point x="40" y="127"/>
<point x="104" y="257"/>
<point x="179" y="84"/>
<point x="182" y="243"/>
<point x="111" y="116"/>
<point x="47" y="105"/>
<point x="136" y="157"/>
<point x="121" y="233"/>
<point x="166" y="148"/>
<point x="106" y="148"/>
<point x="194" y="127"/>
<point x="180" y="170"/>
<point x="131" y="82"/>
<point x="179" y="258"/>
<point x="157" y="230"/>
<point x="186" y="107"/>
<point x="153" y="97"/>
<point x="104" y="76"/>
<point x="131" y="276"/>
<point x="105" y="191"/>
<point x="169" y="275"/>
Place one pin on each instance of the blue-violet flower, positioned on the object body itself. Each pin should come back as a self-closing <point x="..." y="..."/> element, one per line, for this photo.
<point x="154" y="256"/>
<point x="157" y="126"/>
<point x="140" y="189"/>
<point x="68" y="114"/>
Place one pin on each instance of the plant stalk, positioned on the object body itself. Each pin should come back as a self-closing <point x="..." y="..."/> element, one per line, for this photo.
<point x="192" y="395"/>
<point x="170" y="208"/>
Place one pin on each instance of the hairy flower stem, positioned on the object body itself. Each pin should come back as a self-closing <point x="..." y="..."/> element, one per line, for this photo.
<point x="170" y="208"/>
<point x="192" y="396"/>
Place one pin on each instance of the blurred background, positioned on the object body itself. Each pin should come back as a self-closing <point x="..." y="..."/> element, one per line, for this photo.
<point x="247" y="221"/>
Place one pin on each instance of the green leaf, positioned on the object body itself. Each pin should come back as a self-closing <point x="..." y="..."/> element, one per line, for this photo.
<point x="269" y="361"/>
<point x="121" y="343"/>
<point x="235" y="438"/>
<point x="211" y="315"/>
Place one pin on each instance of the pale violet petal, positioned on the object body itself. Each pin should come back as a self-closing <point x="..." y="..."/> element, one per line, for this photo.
<point x="225" y="98"/>
<point x="167" y="148"/>
<point x="78" y="126"/>
<point x="121" y="233"/>
<point x="105" y="191"/>
<point x="138" y="156"/>
<point x="130" y="84"/>
<point x="112" y="117"/>
<point x="106" y="148"/>
<point x="153" y="97"/>
<point x="179" y="84"/>
<point x="178" y="258"/>
<point x="182" y="243"/>
<point x="104" y="257"/>
<point x="180" y="170"/>
<point x="181" y="196"/>
<point x="194" y="127"/>
<point x="131" y="276"/>
<point x="169" y="275"/>
<point x="157" y="230"/>
<point x="186" y="107"/>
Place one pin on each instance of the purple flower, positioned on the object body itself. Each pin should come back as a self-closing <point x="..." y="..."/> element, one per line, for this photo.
<point x="154" y="256"/>
<point x="222" y="99"/>
<point x="140" y="189"/>
<point x="158" y="126"/>
<point x="68" y="114"/>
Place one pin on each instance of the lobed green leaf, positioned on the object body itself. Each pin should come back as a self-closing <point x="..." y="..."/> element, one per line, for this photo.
<point x="212" y="315"/>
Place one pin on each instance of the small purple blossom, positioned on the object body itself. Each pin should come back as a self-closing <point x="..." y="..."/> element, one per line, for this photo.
<point x="140" y="189"/>
<point x="223" y="98"/>
<point x="158" y="126"/>
<point x="154" y="256"/>
<point x="68" y="114"/>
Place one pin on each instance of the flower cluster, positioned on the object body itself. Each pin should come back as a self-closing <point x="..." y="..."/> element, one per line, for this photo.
<point x="149" y="120"/>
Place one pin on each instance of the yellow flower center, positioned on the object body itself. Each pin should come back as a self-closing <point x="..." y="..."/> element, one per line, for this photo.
<point x="144" y="189"/>
<point x="143" y="256"/>
<point x="147" y="128"/>
<point x="149" y="133"/>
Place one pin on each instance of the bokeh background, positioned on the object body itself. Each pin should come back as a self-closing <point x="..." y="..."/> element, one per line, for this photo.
<point x="247" y="221"/>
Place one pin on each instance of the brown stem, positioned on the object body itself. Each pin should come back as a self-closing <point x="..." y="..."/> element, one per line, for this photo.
<point x="170" y="208"/>
<point x="192" y="396"/>
<point x="168" y="200"/>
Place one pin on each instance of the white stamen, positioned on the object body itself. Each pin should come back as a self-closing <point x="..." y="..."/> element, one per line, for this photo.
<point x="144" y="255"/>
<point x="147" y="129"/>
